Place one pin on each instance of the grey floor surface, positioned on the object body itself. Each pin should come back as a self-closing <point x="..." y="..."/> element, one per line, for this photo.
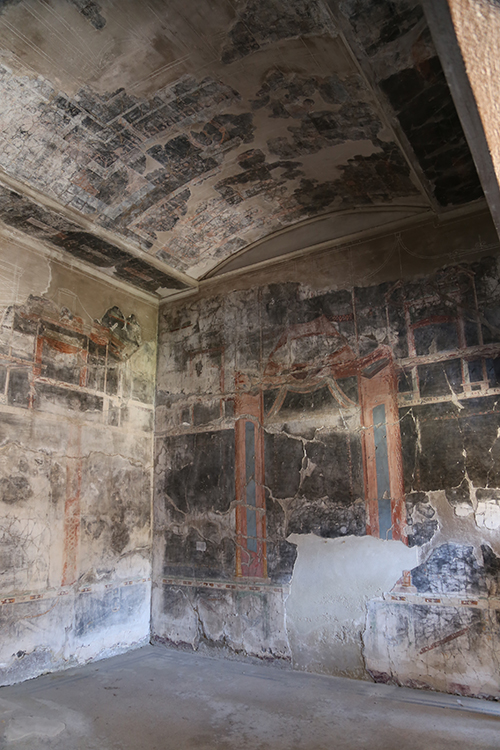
<point x="160" y="699"/>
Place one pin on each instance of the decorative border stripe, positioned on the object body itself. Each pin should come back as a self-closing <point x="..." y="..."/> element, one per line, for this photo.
<point x="444" y="600"/>
<point x="67" y="590"/>
<point x="224" y="586"/>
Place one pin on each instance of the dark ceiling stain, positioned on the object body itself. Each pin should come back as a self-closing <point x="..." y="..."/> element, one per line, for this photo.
<point x="292" y="94"/>
<point x="349" y="117"/>
<point x="256" y="177"/>
<point x="395" y="37"/>
<point x="145" y="276"/>
<point x="91" y="11"/>
<point x="260" y="23"/>
<point x="113" y="186"/>
<point x="377" y="24"/>
<point x="227" y="130"/>
<point x="181" y="160"/>
<point x="422" y="102"/>
<point x="6" y="4"/>
<point x="166" y="219"/>
<point x="202" y="167"/>
<point x="230" y="247"/>
<point x="365" y="179"/>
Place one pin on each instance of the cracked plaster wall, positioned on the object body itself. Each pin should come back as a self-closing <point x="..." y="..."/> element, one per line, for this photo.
<point x="77" y="369"/>
<point x="77" y="376"/>
<point x="306" y="363"/>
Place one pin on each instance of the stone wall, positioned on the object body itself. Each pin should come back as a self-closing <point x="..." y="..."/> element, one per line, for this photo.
<point x="327" y="486"/>
<point x="77" y="368"/>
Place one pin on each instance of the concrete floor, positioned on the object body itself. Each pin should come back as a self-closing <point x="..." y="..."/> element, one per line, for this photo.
<point x="156" y="699"/>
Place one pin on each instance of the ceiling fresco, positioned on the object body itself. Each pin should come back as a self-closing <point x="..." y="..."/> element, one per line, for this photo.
<point x="174" y="135"/>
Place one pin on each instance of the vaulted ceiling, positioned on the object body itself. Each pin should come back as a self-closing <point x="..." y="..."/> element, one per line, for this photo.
<point x="164" y="141"/>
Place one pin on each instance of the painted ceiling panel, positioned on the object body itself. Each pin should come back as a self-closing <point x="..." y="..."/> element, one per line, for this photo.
<point x="395" y="40"/>
<point x="192" y="130"/>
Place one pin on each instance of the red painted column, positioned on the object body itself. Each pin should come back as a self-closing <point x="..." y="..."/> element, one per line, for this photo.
<point x="381" y="389"/>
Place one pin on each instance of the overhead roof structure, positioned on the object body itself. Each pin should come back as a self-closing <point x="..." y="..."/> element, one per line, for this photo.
<point x="163" y="143"/>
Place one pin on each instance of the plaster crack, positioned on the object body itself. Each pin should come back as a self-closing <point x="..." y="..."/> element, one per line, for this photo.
<point x="174" y="505"/>
<point x="78" y="457"/>
<point x="201" y="626"/>
<point x="454" y="397"/>
<point x="490" y="451"/>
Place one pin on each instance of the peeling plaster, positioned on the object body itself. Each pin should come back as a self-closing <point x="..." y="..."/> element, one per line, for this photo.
<point x="76" y="405"/>
<point x="319" y="358"/>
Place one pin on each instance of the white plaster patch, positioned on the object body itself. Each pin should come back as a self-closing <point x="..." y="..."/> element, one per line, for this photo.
<point x="488" y="514"/>
<point x="332" y="582"/>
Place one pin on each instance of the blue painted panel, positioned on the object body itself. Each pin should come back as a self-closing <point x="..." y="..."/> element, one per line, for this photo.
<point x="251" y="489"/>
<point x="251" y="530"/>
<point x="250" y="450"/>
<point x="251" y="493"/>
<point x="384" y="518"/>
<point x="382" y="469"/>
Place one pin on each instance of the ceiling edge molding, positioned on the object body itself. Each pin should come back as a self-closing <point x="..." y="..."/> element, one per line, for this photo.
<point x="90" y="226"/>
<point x="20" y="239"/>
<point x="421" y="214"/>
<point x="386" y="230"/>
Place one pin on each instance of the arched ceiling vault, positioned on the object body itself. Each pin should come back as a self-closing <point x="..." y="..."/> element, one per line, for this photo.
<point x="163" y="141"/>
